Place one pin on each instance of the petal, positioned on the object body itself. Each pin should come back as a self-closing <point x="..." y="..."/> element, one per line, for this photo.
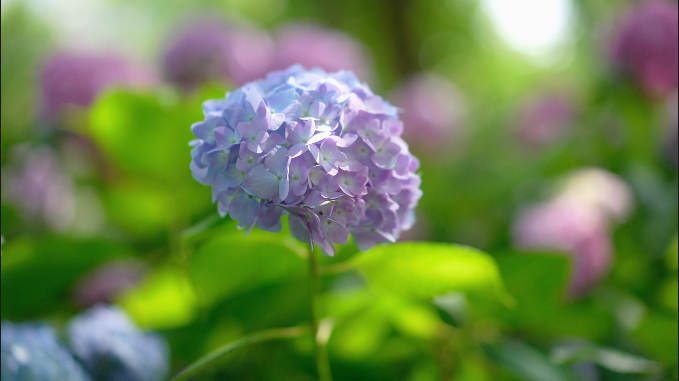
<point x="283" y="188"/>
<point x="277" y="161"/>
<point x="297" y="149"/>
<point x="269" y="218"/>
<point x="298" y="229"/>
<point x="334" y="232"/>
<point x="318" y="137"/>
<point x="261" y="182"/>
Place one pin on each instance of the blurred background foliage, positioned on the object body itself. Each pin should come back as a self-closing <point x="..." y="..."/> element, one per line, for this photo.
<point x="547" y="133"/>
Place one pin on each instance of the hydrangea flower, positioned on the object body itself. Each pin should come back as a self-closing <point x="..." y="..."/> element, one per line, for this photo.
<point x="576" y="221"/>
<point x="40" y="187"/>
<point x="544" y="118"/>
<point x="319" y="147"/>
<point x="77" y="78"/>
<point x="112" y="348"/>
<point x="210" y="49"/>
<point x="646" y="45"/>
<point x="32" y="352"/>
<point x="311" y="45"/>
<point x="435" y="109"/>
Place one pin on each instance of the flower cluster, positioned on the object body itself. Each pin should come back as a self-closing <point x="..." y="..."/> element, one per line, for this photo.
<point x="104" y="345"/>
<point x="112" y="347"/>
<point x="318" y="146"/>
<point x="576" y="221"/>
<point x="33" y="352"/>
<point x="646" y="45"/>
<point x="77" y="78"/>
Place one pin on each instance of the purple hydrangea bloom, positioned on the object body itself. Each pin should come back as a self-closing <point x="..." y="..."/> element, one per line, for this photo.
<point x="210" y="49"/>
<point x="41" y="188"/>
<point x="576" y="221"/>
<point x="33" y="352"/>
<point x="112" y="348"/>
<point x="77" y="78"/>
<point x="544" y="118"/>
<point x="646" y="45"/>
<point x="314" y="46"/>
<point x="320" y="147"/>
<point x="433" y="111"/>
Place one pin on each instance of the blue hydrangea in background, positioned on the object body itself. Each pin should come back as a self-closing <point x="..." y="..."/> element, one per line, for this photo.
<point x="318" y="146"/>
<point x="31" y="352"/>
<point x="112" y="347"/>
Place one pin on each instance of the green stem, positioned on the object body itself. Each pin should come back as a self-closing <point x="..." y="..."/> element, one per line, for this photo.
<point x="320" y="349"/>
<point x="268" y="335"/>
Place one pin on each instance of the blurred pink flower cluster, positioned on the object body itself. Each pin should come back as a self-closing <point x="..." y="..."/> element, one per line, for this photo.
<point x="209" y="49"/>
<point x="77" y="78"/>
<point x="544" y="118"/>
<point x="646" y="45"/>
<point x="40" y="188"/>
<point x="432" y="111"/>
<point x="576" y="221"/>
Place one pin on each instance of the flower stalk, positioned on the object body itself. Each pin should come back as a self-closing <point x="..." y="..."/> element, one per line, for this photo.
<point x="319" y="340"/>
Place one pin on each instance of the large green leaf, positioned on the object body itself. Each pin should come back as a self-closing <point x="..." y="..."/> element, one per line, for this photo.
<point x="538" y="283"/>
<point x="37" y="276"/>
<point x="425" y="270"/>
<point x="525" y="362"/>
<point x="234" y="264"/>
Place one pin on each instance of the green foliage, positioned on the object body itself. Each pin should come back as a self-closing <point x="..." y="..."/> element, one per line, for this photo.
<point x="425" y="270"/>
<point x="52" y="266"/>
<point x="164" y="300"/>
<point x="526" y="362"/>
<point x="232" y="264"/>
<point x="538" y="283"/>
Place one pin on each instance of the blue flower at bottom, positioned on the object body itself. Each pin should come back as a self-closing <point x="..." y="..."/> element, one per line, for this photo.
<point x="31" y="352"/>
<point x="113" y="348"/>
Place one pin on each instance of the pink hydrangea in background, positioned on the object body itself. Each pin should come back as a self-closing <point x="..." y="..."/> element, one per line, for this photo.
<point x="671" y="141"/>
<point x="646" y="45"/>
<point x="39" y="187"/>
<point x="577" y="222"/>
<point x="77" y="78"/>
<point x="106" y="282"/>
<point x="432" y="109"/>
<point x="314" y="46"/>
<point x="210" y="49"/>
<point x="544" y="118"/>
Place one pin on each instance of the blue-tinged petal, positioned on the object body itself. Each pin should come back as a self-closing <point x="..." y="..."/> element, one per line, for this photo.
<point x="269" y="218"/>
<point x="298" y="228"/>
<point x="261" y="182"/>
<point x="244" y="208"/>
<point x="297" y="149"/>
<point x="277" y="161"/>
<point x="318" y="137"/>
<point x="334" y="231"/>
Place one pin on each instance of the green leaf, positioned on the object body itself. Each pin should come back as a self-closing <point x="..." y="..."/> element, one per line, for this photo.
<point x="207" y="360"/>
<point x="658" y="335"/>
<point x="146" y="134"/>
<point x="37" y="276"/>
<point x="164" y="300"/>
<point x="611" y="359"/>
<point x="538" y="283"/>
<point x="672" y="256"/>
<point x="526" y="362"/>
<point x="426" y="270"/>
<point x="234" y="264"/>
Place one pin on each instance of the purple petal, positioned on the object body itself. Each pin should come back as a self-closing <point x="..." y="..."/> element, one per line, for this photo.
<point x="334" y="232"/>
<point x="261" y="183"/>
<point x="318" y="137"/>
<point x="269" y="218"/>
<point x="277" y="161"/>
<point x="297" y="149"/>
